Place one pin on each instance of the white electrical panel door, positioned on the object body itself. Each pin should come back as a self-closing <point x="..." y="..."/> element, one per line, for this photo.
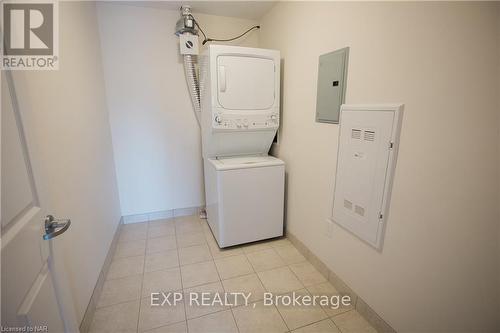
<point x="365" y="164"/>
<point x="245" y="82"/>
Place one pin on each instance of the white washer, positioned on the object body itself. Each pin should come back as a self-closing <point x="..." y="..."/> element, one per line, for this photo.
<point x="245" y="198"/>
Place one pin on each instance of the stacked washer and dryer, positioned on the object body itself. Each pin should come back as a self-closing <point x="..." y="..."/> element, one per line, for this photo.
<point x="244" y="186"/>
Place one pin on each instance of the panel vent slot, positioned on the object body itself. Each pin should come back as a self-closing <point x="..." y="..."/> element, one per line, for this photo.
<point x="369" y="136"/>
<point x="359" y="210"/>
<point x="347" y="204"/>
<point x="356" y="133"/>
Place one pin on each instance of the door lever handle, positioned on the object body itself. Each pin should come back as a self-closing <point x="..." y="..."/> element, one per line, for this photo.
<point x="222" y="78"/>
<point x="54" y="227"/>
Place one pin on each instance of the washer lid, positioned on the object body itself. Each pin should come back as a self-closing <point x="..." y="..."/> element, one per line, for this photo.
<point x="243" y="162"/>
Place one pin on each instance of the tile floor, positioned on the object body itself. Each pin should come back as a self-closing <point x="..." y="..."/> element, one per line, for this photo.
<point x="181" y="255"/>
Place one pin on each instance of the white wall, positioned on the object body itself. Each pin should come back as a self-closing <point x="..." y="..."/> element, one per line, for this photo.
<point x="438" y="270"/>
<point x="69" y="137"/>
<point x="156" y="139"/>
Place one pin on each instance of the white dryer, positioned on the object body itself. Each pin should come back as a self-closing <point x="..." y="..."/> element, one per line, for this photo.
<point x="245" y="198"/>
<point x="239" y="89"/>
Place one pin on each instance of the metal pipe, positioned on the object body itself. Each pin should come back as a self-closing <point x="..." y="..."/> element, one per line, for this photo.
<point x="193" y="84"/>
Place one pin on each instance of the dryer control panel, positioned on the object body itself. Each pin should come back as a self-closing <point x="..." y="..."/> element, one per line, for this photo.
<point x="224" y="121"/>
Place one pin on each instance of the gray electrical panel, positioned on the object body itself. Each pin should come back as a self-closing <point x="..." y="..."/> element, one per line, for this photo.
<point x="332" y="76"/>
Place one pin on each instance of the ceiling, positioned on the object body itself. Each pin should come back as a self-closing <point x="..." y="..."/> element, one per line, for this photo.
<point x="252" y="10"/>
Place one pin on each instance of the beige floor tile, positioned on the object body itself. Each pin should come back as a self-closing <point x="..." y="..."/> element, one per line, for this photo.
<point x="280" y="280"/>
<point x="194" y="254"/>
<point x="116" y="318"/>
<point x="158" y="222"/>
<point x="134" y="231"/>
<point x="255" y="247"/>
<point x="352" y="322"/>
<point x="233" y="266"/>
<point x="196" y="307"/>
<point x="307" y="274"/>
<point x="324" y="326"/>
<point x="258" y="319"/>
<point x="336" y="306"/>
<point x="209" y="236"/>
<point x="157" y="316"/>
<point x="161" y="244"/>
<point x="158" y="281"/>
<point x="120" y="290"/>
<point x="188" y="228"/>
<point x="290" y="254"/>
<point x="198" y="274"/>
<point x="217" y="252"/>
<point x="186" y="224"/>
<point x="141" y="226"/>
<point x="245" y="284"/>
<point x="220" y="322"/>
<point x="296" y="316"/>
<point x="189" y="218"/>
<point x="159" y="229"/>
<point x="173" y="328"/>
<point x="130" y="249"/>
<point x="205" y="227"/>
<point x="191" y="239"/>
<point x="161" y="260"/>
<point x="280" y="242"/>
<point x="265" y="260"/>
<point x="125" y="267"/>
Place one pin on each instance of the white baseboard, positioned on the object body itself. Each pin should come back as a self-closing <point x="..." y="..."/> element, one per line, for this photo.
<point x="165" y="214"/>
<point x="186" y="211"/>
<point x="137" y="218"/>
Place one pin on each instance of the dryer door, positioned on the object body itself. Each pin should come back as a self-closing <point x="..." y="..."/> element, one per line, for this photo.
<point x="245" y="82"/>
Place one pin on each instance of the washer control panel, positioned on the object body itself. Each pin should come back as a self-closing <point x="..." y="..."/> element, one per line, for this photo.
<point x="250" y="122"/>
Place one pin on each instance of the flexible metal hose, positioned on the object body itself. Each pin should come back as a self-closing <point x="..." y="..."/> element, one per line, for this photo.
<point x="193" y="85"/>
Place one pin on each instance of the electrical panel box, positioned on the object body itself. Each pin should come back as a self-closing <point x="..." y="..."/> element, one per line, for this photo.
<point x="366" y="160"/>
<point x="332" y="76"/>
